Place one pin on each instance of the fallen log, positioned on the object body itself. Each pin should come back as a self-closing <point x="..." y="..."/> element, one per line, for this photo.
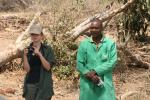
<point x="81" y="28"/>
<point x="8" y="55"/>
<point x="13" y="51"/>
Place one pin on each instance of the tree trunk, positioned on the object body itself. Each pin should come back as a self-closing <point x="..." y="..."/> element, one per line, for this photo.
<point x="8" y="55"/>
<point x="13" y="51"/>
<point x="102" y="16"/>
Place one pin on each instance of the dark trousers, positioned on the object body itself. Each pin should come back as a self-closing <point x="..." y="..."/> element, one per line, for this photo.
<point x="32" y="91"/>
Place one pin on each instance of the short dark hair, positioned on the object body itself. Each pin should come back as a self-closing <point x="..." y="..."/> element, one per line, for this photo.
<point x="97" y="20"/>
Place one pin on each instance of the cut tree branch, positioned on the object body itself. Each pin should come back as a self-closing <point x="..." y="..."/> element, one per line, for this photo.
<point x="102" y="16"/>
<point x="8" y="55"/>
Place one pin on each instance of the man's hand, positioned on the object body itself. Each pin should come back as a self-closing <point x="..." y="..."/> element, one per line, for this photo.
<point x="90" y="74"/>
<point x="95" y="79"/>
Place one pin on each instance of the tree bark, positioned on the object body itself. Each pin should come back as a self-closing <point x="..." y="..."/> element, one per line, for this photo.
<point x="8" y="55"/>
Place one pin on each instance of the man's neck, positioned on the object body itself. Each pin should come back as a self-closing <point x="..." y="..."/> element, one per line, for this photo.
<point x="97" y="39"/>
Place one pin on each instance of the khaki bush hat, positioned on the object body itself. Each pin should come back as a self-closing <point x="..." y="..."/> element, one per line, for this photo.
<point x="35" y="29"/>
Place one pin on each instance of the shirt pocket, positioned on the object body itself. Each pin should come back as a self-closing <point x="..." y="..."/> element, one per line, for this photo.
<point x="104" y="54"/>
<point x="104" y="57"/>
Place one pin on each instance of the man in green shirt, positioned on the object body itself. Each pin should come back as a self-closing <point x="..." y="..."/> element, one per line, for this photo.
<point x="96" y="58"/>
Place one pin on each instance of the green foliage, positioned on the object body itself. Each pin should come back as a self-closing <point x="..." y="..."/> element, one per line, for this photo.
<point x="66" y="61"/>
<point x="135" y="19"/>
<point x="65" y="51"/>
<point x="65" y="73"/>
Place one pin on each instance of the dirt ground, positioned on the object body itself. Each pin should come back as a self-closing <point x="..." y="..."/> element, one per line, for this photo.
<point x="133" y="83"/>
<point x="11" y="87"/>
<point x="133" y="80"/>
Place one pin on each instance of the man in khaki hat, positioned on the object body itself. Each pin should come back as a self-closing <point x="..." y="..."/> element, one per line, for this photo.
<point x="38" y="59"/>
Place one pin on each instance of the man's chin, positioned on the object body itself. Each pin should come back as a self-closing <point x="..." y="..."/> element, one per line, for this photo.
<point x="94" y="35"/>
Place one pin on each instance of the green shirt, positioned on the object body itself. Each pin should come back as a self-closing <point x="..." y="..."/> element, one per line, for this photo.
<point x="101" y="58"/>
